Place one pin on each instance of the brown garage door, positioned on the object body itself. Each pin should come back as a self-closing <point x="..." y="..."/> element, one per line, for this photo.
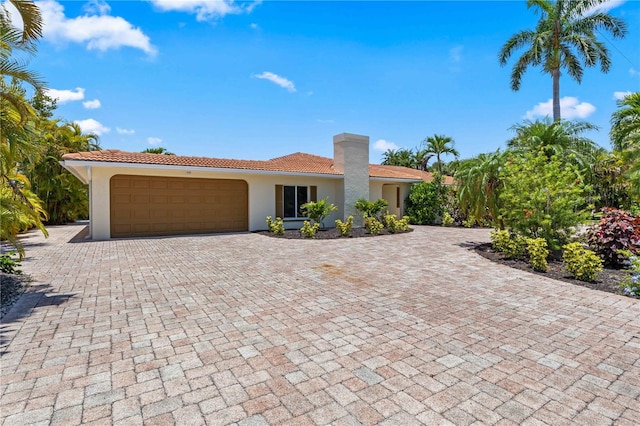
<point x="151" y="205"/>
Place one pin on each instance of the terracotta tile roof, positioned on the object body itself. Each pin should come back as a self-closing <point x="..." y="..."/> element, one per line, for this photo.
<point x="296" y="163"/>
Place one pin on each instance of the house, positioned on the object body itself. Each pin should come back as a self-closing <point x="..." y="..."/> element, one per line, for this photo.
<point x="137" y="194"/>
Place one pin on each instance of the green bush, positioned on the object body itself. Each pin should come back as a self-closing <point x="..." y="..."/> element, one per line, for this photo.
<point x="543" y="197"/>
<point x="425" y="202"/>
<point x="318" y="210"/>
<point x="8" y="264"/>
<point x="469" y="222"/>
<point x="308" y="230"/>
<point x="393" y="224"/>
<point x="373" y="225"/>
<point x="581" y="263"/>
<point x="345" y="227"/>
<point x="447" y="219"/>
<point x="538" y="253"/>
<point x="512" y="246"/>
<point x="371" y="208"/>
<point x="275" y="226"/>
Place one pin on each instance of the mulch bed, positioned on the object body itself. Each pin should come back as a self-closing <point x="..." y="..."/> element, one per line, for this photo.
<point x="608" y="280"/>
<point x="326" y="234"/>
<point x="11" y="287"/>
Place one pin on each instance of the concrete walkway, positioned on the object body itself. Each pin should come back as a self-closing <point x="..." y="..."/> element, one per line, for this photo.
<point x="221" y="329"/>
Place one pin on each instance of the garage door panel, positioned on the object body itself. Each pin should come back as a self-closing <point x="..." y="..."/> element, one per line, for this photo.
<point x="153" y="205"/>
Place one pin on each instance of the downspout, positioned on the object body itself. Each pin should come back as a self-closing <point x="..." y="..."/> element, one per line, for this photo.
<point x="90" y="202"/>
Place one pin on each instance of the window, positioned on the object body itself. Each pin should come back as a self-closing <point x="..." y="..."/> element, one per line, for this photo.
<point x="289" y="200"/>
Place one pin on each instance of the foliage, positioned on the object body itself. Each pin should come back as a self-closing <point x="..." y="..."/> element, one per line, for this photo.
<point x="308" y="230"/>
<point x="479" y="185"/>
<point x="393" y="224"/>
<point x="611" y="181"/>
<point x="581" y="263"/>
<point x="562" y="139"/>
<point x="345" y="227"/>
<point x="437" y="145"/>
<point x="371" y="208"/>
<point x="617" y="230"/>
<point x="631" y="284"/>
<point x="512" y="246"/>
<point x="157" y="150"/>
<point x="538" y="252"/>
<point x="405" y="158"/>
<point x="543" y="198"/>
<point x="470" y="221"/>
<point x="318" y="210"/>
<point x="564" y="38"/>
<point x="425" y="201"/>
<point x="373" y="225"/>
<point x="625" y="123"/>
<point x="447" y="219"/>
<point x="8" y="264"/>
<point x="275" y="226"/>
<point x="63" y="196"/>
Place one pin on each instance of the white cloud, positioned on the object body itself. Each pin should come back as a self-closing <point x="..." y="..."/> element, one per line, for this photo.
<point x="154" y="141"/>
<point x="319" y="120"/>
<point x="125" y="131"/>
<point x="604" y="7"/>
<point x="96" y="29"/>
<point x="254" y="26"/>
<point x="94" y="104"/>
<point x="97" y="7"/>
<point x="92" y="126"/>
<point x="455" y="53"/>
<point x="64" y="96"/>
<point x="383" y="145"/>
<point x="280" y="81"/>
<point x="634" y="72"/>
<point x="570" y="108"/>
<point x="621" y="95"/>
<point x="205" y="10"/>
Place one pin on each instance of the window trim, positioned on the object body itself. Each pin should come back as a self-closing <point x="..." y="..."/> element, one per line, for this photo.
<point x="312" y="195"/>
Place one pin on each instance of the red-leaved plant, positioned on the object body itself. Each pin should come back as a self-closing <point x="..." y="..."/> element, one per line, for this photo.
<point x="617" y="230"/>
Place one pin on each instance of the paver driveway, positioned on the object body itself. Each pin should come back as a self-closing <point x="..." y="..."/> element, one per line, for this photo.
<point x="406" y="329"/>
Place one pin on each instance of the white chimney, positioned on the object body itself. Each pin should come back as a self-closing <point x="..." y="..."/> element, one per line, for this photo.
<point x="351" y="157"/>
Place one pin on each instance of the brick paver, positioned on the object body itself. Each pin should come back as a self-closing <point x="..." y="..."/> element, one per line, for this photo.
<point x="222" y="329"/>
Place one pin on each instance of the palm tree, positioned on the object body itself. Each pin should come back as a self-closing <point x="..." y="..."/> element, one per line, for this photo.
<point x="561" y="138"/>
<point x="564" y="38"/>
<point x="625" y="123"/>
<point x="439" y="145"/>
<point x="398" y="157"/>
<point x="479" y="184"/>
<point x="158" y="150"/>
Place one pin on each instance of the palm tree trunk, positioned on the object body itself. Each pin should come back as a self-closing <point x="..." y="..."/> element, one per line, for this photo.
<point x="555" y="73"/>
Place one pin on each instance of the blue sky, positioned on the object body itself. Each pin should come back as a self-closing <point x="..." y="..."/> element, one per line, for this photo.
<point x="260" y="80"/>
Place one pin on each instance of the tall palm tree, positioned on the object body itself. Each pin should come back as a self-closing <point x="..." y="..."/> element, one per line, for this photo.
<point x="625" y="123"/>
<point x="439" y="145"/>
<point x="157" y="150"/>
<point x="564" y="38"/>
<point x="398" y="157"/>
<point x="479" y="184"/>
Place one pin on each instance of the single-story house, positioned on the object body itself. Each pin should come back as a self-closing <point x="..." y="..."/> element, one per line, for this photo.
<point x="139" y="194"/>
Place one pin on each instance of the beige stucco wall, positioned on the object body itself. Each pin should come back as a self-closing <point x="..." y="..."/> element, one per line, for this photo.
<point x="261" y="193"/>
<point x="387" y="190"/>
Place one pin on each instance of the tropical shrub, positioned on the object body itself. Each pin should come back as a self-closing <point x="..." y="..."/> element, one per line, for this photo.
<point x="512" y="246"/>
<point x="393" y="224"/>
<point x="373" y="225"/>
<point x="318" y="210"/>
<point x="538" y="252"/>
<point x="425" y="201"/>
<point x="447" y="219"/>
<point x="371" y="208"/>
<point x="275" y="226"/>
<point x="308" y="230"/>
<point x="8" y="264"/>
<point x="469" y="222"/>
<point x="617" y="230"/>
<point x="631" y="284"/>
<point x="345" y="227"/>
<point x="543" y="197"/>
<point x="583" y="264"/>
